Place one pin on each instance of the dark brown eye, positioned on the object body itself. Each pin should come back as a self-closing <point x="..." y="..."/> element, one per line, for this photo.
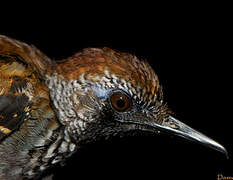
<point x="120" y="102"/>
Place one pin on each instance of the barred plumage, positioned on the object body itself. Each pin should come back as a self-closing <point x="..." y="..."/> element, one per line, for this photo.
<point x="49" y="109"/>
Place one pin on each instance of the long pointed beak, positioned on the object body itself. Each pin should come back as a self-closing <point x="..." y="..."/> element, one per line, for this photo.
<point x="174" y="126"/>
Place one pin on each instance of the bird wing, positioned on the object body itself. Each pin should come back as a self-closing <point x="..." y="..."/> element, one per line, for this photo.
<point x="21" y="83"/>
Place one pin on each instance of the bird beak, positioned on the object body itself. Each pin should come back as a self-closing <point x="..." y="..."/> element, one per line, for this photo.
<point x="174" y="126"/>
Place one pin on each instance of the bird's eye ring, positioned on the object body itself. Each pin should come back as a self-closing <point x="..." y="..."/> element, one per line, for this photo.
<point x="120" y="102"/>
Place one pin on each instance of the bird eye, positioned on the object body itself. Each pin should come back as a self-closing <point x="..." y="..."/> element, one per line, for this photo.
<point x="120" y="102"/>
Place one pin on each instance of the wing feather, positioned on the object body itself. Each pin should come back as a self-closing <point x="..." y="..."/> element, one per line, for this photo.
<point x="22" y="68"/>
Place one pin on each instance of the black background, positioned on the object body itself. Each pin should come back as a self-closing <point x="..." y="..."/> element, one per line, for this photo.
<point x="188" y="45"/>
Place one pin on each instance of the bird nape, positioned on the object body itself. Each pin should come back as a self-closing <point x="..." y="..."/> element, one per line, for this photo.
<point x="49" y="109"/>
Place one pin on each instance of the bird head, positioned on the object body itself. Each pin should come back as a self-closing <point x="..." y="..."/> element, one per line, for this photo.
<point x="102" y="92"/>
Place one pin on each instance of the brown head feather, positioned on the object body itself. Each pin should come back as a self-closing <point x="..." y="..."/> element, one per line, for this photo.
<point x="94" y="62"/>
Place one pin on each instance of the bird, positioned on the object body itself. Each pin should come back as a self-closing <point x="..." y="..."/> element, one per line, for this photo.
<point x="50" y="109"/>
